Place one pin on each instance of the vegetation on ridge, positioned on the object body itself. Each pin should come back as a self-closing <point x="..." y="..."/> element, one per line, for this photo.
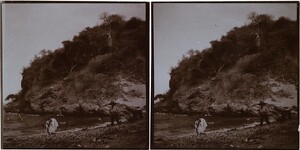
<point x="238" y="63"/>
<point x="115" y="46"/>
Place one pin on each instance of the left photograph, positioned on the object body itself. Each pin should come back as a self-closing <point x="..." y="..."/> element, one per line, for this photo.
<point x="75" y="75"/>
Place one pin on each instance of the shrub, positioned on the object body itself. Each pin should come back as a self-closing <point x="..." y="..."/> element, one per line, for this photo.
<point x="99" y="64"/>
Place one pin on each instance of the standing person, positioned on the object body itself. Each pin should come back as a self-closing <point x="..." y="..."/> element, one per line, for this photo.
<point x="20" y="116"/>
<point x="113" y="113"/>
<point x="200" y="126"/>
<point x="263" y="113"/>
<point x="51" y="126"/>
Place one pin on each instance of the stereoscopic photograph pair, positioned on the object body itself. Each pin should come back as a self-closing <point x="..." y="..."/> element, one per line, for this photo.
<point x="150" y="75"/>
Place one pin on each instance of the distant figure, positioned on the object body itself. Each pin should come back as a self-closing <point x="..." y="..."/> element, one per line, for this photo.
<point x="60" y="113"/>
<point x="109" y="39"/>
<point x="20" y="116"/>
<point x="263" y="113"/>
<point x="51" y="126"/>
<point x="113" y="113"/>
<point x="200" y="126"/>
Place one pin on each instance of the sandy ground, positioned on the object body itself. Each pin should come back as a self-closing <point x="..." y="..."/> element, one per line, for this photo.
<point x="274" y="136"/>
<point x="125" y="135"/>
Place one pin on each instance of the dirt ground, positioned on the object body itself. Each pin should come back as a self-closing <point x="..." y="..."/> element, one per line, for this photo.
<point x="274" y="136"/>
<point x="125" y="135"/>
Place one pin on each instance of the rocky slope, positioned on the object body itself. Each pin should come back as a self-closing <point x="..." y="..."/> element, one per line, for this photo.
<point x="74" y="97"/>
<point x="258" y="61"/>
<point x="104" y="63"/>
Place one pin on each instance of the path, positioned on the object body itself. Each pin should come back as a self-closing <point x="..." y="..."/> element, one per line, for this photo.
<point x="251" y="125"/>
<point x="102" y="125"/>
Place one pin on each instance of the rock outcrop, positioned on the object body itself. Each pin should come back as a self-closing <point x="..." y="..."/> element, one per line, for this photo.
<point x="83" y="76"/>
<point x="235" y="73"/>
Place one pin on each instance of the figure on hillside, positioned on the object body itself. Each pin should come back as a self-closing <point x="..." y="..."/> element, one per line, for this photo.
<point x="200" y="125"/>
<point x="51" y="126"/>
<point x="264" y="113"/>
<point x="114" y="115"/>
<point x="109" y="38"/>
<point x="20" y="116"/>
<point x="60" y="112"/>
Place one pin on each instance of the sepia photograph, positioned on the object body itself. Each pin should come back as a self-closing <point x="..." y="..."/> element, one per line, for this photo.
<point x="225" y="75"/>
<point x="75" y="75"/>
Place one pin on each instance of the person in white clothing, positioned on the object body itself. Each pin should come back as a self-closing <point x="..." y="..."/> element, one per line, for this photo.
<point x="200" y="126"/>
<point x="51" y="126"/>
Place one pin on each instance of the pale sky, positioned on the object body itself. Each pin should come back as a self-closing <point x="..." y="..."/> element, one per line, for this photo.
<point x="179" y="27"/>
<point x="29" y="28"/>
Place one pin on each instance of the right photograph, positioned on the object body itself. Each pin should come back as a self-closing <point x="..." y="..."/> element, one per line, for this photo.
<point x="225" y="75"/>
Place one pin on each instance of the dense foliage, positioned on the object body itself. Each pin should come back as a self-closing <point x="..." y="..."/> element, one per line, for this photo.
<point x="116" y="45"/>
<point x="262" y="47"/>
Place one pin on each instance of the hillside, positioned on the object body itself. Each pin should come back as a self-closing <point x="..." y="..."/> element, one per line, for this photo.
<point x="257" y="61"/>
<point x="102" y="63"/>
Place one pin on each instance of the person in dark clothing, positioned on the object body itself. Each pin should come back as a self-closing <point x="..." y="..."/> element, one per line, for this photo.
<point x="114" y="116"/>
<point x="263" y="113"/>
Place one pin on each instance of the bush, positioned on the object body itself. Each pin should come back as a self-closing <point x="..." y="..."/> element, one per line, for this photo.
<point x="83" y="81"/>
<point x="99" y="64"/>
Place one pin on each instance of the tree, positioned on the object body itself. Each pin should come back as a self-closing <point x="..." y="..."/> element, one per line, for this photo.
<point x="11" y="96"/>
<point x="192" y="52"/>
<point x="111" y="22"/>
<point x="252" y="16"/>
<point x="259" y="19"/>
<point x="110" y="19"/>
<point x="260" y="22"/>
<point x="107" y="22"/>
<point x="44" y="52"/>
<point x="105" y="17"/>
<point x="74" y="56"/>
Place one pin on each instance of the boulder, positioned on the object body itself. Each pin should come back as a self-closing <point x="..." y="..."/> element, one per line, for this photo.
<point x="160" y="106"/>
<point x="236" y="109"/>
<point x="183" y="106"/>
<point x="11" y="107"/>
<point x="122" y="110"/>
<point x="252" y="111"/>
<point x="51" y="110"/>
<point x="198" y="105"/>
<point x="217" y="109"/>
<point x="104" y="110"/>
<point x="36" y="107"/>
<point x="89" y="108"/>
<point x="69" y="109"/>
